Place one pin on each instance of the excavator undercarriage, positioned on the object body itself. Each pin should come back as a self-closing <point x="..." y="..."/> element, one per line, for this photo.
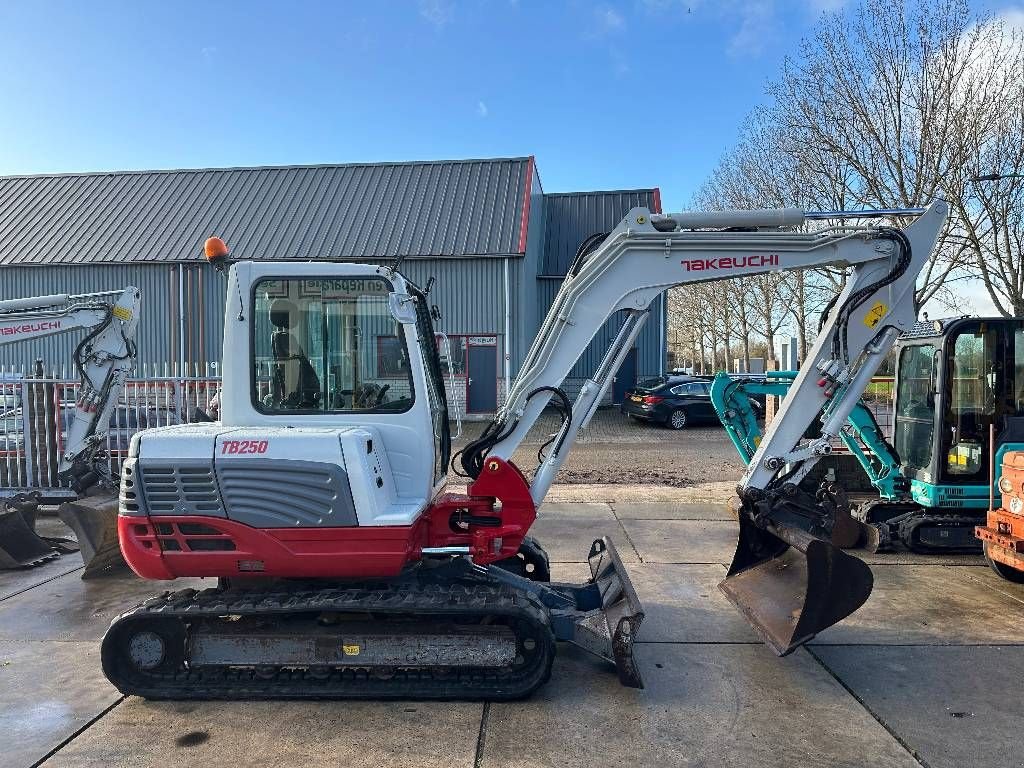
<point x="443" y="629"/>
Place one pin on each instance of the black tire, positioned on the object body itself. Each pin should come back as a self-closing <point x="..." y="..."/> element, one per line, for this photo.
<point x="1004" y="571"/>
<point x="678" y="419"/>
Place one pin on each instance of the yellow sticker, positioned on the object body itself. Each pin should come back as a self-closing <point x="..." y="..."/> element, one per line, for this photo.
<point x="350" y="650"/>
<point x="122" y="313"/>
<point x="876" y="313"/>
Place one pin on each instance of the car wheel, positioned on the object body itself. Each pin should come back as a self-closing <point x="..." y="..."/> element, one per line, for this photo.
<point x="1005" y="571"/>
<point x="677" y="419"/>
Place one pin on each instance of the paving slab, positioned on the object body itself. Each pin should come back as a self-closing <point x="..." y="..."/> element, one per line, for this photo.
<point x="139" y="733"/>
<point x="929" y="605"/>
<point x="584" y="509"/>
<point x="671" y="511"/>
<point x="682" y="603"/>
<point x="683" y="541"/>
<point x="989" y="578"/>
<point x="567" y="536"/>
<point x="912" y="558"/>
<point x="13" y="582"/>
<point x="953" y="706"/>
<point x="48" y="692"/>
<point x="68" y="608"/>
<point x="704" y="705"/>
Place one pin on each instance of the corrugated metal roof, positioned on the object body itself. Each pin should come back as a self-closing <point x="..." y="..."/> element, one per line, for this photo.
<point x="571" y="217"/>
<point x="380" y="210"/>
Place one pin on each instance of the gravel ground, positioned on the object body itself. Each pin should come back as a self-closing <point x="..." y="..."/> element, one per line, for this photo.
<point x="615" y="450"/>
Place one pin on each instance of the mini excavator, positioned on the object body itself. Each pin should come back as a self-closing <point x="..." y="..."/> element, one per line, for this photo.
<point x="103" y="359"/>
<point x="318" y="500"/>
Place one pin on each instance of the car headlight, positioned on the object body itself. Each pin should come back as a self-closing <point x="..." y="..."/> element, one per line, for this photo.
<point x="1005" y="486"/>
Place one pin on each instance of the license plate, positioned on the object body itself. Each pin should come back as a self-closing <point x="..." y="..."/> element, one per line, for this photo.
<point x="636" y="398"/>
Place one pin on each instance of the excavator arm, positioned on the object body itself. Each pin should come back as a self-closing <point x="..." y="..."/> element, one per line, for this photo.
<point x="786" y="576"/>
<point x="862" y="435"/>
<point x="102" y="360"/>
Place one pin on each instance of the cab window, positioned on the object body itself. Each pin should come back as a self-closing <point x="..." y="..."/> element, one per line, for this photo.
<point x="318" y="347"/>
<point x="975" y="393"/>
<point x="915" y="408"/>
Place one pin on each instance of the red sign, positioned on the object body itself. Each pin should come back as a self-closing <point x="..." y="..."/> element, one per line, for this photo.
<point x="244" y="446"/>
<point x="755" y="261"/>
<point x="15" y="330"/>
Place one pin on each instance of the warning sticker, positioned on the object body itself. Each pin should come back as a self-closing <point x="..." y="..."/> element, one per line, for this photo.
<point x="350" y="650"/>
<point x="122" y="313"/>
<point x="876" y="313"/>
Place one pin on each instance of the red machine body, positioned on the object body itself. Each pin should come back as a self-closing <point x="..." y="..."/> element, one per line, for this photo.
<point x="170" y="546"/>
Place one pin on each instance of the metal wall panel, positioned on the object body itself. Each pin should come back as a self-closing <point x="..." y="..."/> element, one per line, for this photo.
<point x="572" y="217"/>
<point x="650" y="352"/>
<point x="445" y="208"/>
<point x="154" y="333"/>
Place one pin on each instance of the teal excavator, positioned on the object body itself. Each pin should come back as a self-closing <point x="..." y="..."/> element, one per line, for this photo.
<point x="958" y="407"/>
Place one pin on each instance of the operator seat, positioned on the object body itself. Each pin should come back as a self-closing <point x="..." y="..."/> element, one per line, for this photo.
<point x="296" y="384"/>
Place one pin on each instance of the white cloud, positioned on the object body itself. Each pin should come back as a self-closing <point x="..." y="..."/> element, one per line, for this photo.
<point x="608" y="21"/>
<point x="818" y="7"/>
<point x="1013" y="18"/>
<point x="436" y="12"/>
<point x="481" y="109"/>
<point x="757" y="27"/>
<point x="968" y="296"/>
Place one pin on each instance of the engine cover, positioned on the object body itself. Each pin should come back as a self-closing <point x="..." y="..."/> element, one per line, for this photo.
<point x="264" y="478"/>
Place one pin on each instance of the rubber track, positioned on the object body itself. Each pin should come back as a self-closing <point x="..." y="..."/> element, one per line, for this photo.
<point x="455" y="601"/>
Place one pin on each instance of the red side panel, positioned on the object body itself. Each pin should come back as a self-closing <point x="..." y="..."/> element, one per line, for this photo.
<point x="656" y="202"/>
<point x="156" y="548"/>
<point x="168" y="547"/>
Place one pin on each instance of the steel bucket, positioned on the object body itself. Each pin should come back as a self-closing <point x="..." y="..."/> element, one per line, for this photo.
<point x="791" y="585"/>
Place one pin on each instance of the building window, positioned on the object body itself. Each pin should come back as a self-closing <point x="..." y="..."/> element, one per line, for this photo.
<point x="457" y="345"/>
<point x="391" y="358"/>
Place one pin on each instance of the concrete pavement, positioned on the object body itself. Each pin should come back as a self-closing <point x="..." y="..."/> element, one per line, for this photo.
<point x="925" y="674"/>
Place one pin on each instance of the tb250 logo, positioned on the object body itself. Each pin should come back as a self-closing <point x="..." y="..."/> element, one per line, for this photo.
<point x="244" y="446"/>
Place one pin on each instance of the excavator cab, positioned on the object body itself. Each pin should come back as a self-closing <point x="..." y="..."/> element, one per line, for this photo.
<point x="955" y="381"/>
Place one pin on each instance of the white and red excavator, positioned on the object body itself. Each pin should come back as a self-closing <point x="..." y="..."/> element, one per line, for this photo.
<point x="102" y="360"/>
<point x="319" y="498"/>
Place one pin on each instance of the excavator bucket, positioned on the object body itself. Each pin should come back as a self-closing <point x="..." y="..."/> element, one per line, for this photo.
<point x="94" y="521"/>
<point x="791" y="585"/>
<point x="20" y="547"/>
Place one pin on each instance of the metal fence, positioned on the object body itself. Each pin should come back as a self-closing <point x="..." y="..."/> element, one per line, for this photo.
<point x="36" y="408"/>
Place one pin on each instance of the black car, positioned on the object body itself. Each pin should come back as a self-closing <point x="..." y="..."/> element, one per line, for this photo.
<point x="675" y="401"/>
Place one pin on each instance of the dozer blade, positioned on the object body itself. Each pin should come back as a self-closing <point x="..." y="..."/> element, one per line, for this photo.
<point x="20" y="547"/>
<point x="791" y="585"/>
<point x="609" y="629"/>
<point x="94" y="521"/>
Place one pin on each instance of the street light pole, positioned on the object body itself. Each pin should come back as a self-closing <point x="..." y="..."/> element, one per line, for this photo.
<point x="997" y="177"/>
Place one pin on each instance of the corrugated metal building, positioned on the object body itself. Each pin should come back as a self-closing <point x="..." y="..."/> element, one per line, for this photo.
<point x="496" y="244"/>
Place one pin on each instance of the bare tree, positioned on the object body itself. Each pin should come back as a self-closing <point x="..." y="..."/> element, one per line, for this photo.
<point x="895" y="101"/>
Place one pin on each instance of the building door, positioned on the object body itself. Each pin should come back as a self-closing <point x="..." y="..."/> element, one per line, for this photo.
<point x="625" y="378"/>
<point x="482" y="382"/>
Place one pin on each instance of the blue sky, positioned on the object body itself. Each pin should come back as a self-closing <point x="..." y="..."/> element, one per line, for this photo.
<point x="605" y="94"/>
